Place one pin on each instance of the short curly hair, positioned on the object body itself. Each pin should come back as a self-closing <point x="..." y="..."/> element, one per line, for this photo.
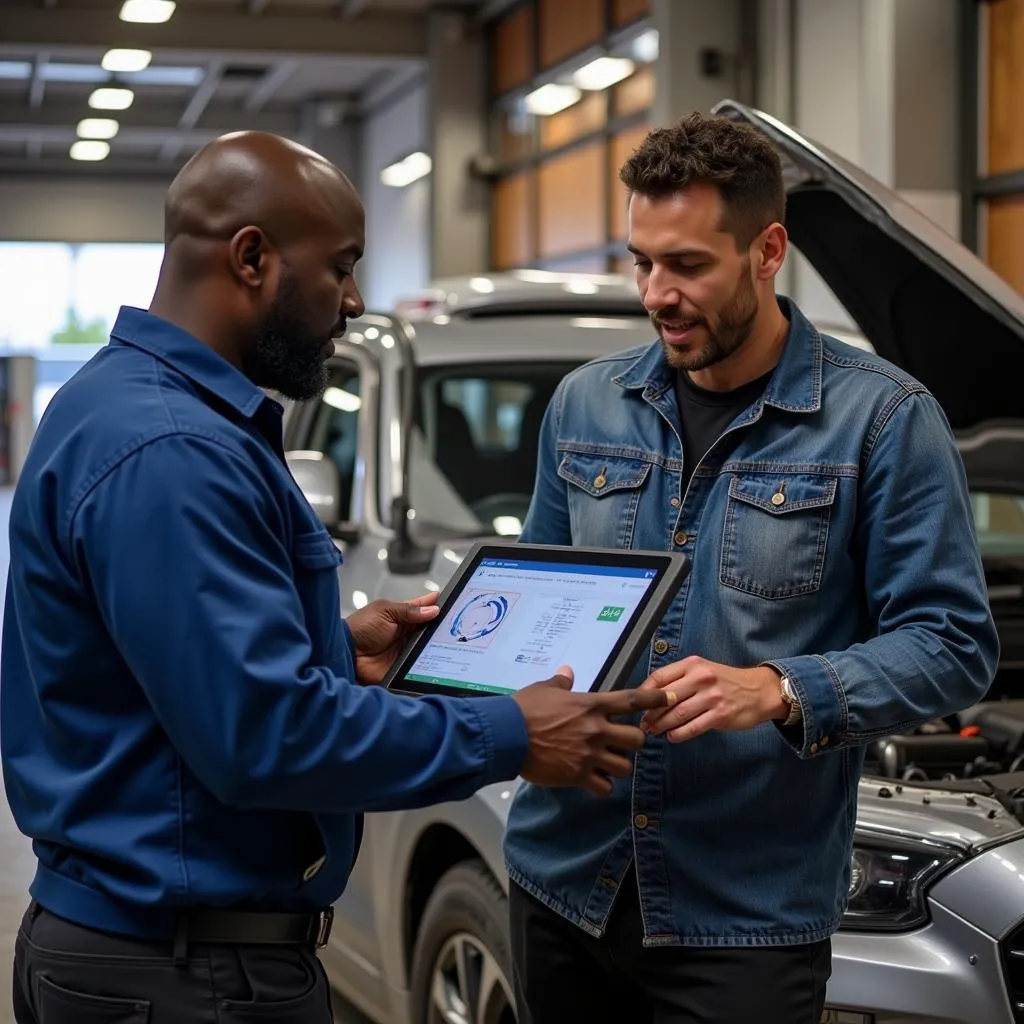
<point x="737" y="159"/>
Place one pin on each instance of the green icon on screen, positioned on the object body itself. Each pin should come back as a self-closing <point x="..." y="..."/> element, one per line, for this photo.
<point x="609" y="613"/>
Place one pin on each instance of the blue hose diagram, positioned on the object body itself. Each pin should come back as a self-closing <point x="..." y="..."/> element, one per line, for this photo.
<point x="479" y="617"/>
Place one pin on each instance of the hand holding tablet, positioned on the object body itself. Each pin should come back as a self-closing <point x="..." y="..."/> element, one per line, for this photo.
<point x="573" y="742"/>
<point x="513" y="612"/>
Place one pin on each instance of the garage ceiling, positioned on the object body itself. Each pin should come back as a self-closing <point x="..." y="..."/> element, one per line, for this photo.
<point x="286" y="66"/>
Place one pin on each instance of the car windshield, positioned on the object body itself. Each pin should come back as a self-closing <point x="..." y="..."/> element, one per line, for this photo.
<point x="474" y="447"/>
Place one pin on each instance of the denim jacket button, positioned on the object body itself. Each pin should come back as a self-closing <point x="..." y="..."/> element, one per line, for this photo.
<point x="600" y="480"/>
<point x="681" y="538"/>
<point x="675" y="503"/>
<point x="660" y="646"/>
<point x="641" y="821"/>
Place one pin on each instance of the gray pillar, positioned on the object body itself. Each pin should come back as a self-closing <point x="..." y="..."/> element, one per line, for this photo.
<point x="332" y="129"/>
<point x="690" y="34"/>
<point x="457" y="131"/>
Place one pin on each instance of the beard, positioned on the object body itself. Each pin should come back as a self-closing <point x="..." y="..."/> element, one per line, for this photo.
<point x="286" y="355"/>
<point x="725" y="335"/>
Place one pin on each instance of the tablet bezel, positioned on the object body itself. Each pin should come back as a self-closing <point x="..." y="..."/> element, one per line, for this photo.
<point x="672" y="569"/>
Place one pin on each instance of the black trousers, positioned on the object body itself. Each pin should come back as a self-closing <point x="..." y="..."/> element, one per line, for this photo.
<point x="65" y="974"/>
<point x="561" y="974"/>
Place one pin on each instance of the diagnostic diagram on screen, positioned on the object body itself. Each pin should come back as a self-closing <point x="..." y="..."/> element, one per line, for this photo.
<point x="518" y="621"/>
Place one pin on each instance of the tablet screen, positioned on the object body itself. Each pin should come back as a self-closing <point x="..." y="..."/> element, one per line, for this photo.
<point x="515" y="622"/>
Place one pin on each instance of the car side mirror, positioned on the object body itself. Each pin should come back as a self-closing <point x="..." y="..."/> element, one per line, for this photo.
<point x="319" y="480"/>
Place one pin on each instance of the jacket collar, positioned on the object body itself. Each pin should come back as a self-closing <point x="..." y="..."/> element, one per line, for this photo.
<point x="189" y="356"/>
<point x="794" y="386"/>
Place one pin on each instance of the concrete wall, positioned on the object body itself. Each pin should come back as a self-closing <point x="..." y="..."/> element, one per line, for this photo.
<point x="876" y="81"/>
<point x="68" y="210"/>
<point x="397" y="256"/>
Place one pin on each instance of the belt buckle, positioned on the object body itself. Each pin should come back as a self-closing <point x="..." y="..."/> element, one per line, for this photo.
<point x="325" y="925"/>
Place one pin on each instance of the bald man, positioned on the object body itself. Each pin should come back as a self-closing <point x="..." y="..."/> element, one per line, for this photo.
<point x="183" y="730"/>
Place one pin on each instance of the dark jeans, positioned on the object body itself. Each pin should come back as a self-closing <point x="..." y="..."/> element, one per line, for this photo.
<point x="65" y="974"/>
<point x="562" y="974"/>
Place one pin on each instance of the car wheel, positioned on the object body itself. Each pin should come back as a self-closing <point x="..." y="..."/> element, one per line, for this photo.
<point x="462" y="964"/>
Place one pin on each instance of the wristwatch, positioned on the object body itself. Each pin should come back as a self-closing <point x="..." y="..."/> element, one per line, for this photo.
<point x="792" y="702"/>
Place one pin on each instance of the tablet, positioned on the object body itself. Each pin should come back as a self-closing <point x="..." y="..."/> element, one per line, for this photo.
<point x="514" y="613"/>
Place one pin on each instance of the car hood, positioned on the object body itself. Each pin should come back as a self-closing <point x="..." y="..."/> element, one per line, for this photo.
<point x="923" y="300"/>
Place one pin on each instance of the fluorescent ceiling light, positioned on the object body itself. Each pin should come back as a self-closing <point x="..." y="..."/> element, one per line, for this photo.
<point x="645" y="46"/>
<point x="166" y="75"/>
<point x="111" y="99"/>
<point x="604" y="72"/>
<point x="97" y="128"/>
<point x="406" y="171"/>
<point x="126" y="60"/>
<point x="15" y="69"/>
<point x="147" y="12"/>
<point x="89" y="149"/>
<point x="336" y="398"/>
<point x="62" y="71"/>
<point x="551" y="98"/>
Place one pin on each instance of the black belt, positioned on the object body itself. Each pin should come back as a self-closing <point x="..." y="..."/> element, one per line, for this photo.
<point x="251" y="928"/>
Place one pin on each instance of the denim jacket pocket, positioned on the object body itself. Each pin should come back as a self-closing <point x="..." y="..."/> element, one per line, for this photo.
<point x="604" y="492"/>
<point x="776" y="531"/>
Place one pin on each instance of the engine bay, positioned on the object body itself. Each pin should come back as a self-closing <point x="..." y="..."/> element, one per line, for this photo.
<point x="980" y="750"/>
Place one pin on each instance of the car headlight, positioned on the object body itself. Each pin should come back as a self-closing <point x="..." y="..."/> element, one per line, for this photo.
<point x="888" y="881"/>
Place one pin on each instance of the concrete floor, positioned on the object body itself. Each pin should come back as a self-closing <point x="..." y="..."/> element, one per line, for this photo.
<point x="17" y="863"/>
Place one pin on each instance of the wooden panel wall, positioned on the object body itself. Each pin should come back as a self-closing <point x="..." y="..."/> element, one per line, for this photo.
<point x="626" y="11"/>
<point x="570" y="201"/>
<point x="622" y="145"/>
<point x="580" y="119"/>
<point x="1005" y="223"/>
<point x="512" y="50"/>
<point x="568" y="26"/>
<point x="1005" y="86"/>
<point x="512" y="221"/>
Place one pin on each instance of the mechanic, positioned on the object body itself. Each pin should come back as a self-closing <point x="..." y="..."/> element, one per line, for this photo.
<point x="836" y="595"/>
<point x="182" y="736"/>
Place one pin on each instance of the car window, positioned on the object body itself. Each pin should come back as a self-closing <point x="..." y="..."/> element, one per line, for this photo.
<point x="480" y="430"/>
<point x="335" y="427"/>
<point x="999" y="519"/>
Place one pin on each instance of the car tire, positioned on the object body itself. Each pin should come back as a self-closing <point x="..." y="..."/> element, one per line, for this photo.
<point x="462" y="960"/>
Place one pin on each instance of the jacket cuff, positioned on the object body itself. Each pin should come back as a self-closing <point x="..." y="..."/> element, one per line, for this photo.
<point x="504" y="730"/>
<point x="822" y="701"/>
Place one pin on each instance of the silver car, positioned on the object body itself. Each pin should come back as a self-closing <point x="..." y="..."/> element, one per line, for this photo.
<point x="426" y="440"/>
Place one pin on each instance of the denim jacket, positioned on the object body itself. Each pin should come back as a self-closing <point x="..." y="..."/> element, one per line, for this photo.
<point x="831" y="535"/>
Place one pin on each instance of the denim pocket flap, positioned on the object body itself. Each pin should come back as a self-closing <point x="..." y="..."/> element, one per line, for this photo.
<point x="316" y="550"/>
<point x="782" y="494"/>
<point x="599" y="475"/>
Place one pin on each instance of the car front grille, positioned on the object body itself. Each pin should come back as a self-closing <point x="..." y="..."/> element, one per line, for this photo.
<point x="1012" y="950"/>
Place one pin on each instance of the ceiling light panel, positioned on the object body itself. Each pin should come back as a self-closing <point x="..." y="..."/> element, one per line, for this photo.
<point x="111" y="99"/>
<point x="147" y="12"/>
<point x="126" y="60"/>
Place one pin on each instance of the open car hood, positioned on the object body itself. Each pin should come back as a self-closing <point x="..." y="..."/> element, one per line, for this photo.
<point x="923" y="300"/>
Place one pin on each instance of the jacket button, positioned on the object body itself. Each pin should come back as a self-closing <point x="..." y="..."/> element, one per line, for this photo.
<point x="778" y="498"/>
<point x="824" y="741"/>
<point x="675" y="503"/>
<point x="600" y="480"/>
<point x="660" y="646"/>
<point x="814" y="748"/>
<point x="681" y="538"/>
<point x="641" y="821"/>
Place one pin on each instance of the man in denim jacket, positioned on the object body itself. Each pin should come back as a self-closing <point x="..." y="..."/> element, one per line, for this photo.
<point x="836" y="595"/>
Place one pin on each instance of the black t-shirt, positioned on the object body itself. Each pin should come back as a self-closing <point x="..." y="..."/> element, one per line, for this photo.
<point x="706" y="414"/>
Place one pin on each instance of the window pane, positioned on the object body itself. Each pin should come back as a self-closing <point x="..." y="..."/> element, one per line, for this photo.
<point x="474" y="450"/>
<point x="335" y="429"/>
